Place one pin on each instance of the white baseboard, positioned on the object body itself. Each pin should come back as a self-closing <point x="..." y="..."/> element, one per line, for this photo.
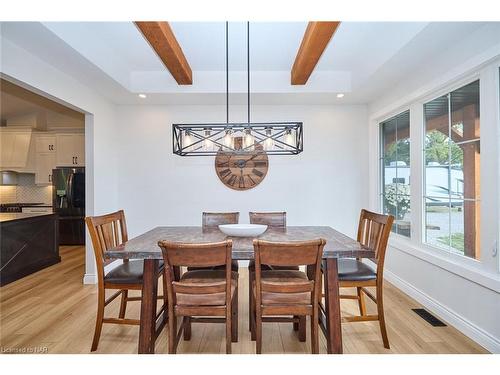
<point x="89" y="279"/>
<point x="469" y="329"/>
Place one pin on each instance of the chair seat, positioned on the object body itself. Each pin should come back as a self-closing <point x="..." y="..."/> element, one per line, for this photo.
<point x="204" y="276"/>
<point x="354" y="270"/>
<point x="266" y="267"/>
<point x="234" y="267"/>
<point x="284" y="277"/>
<point x="128" y="273"/>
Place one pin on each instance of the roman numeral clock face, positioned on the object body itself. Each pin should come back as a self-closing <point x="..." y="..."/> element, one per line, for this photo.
<point x="241" y="171"/>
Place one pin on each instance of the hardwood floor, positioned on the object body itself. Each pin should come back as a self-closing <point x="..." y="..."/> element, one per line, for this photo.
<point x="52" y="309"/>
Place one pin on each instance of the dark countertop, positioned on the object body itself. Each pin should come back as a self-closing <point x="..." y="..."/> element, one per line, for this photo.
<point x="11" y="216"/>
<point x="21" y="204"/>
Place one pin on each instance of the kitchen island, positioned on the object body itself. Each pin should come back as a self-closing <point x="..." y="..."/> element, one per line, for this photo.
<point x="29" y="242"/>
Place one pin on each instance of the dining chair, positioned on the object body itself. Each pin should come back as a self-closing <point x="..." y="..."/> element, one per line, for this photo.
<point x="282" y="295"/>
<point x="212" y="220"/>
<point x="203" y="295"/>
<point x="273" y="220"/>
<point x="108" y="231"/>
<point x="373" y="233"/>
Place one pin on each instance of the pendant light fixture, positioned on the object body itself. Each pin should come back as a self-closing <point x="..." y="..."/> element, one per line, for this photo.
<point x="275" y="138"/>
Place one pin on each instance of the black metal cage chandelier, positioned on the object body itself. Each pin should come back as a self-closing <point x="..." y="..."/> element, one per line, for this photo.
<point x="275" y="138"/>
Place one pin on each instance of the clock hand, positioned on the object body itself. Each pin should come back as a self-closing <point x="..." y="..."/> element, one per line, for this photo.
<point x="257" y="154"/>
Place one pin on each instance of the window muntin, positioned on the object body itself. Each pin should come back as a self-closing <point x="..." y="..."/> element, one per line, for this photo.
<point x="452" y="165"/>
<point x="395" y="171"/>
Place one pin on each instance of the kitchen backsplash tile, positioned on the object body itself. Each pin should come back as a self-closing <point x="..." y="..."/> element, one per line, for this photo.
<point x="8" y="194"/>
<point x="26" y="191"/>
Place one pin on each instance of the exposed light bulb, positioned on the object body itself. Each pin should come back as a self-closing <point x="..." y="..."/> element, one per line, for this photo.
<point x="289" y="138"/>
<point x="187" y="141"/>
<point x="142" y="96"/>
<point x="269" y="142"/>
<point x="207" y="143"/>
<point x="248" y="140"/>
<point x="228" y="139"/>
<point x="340" y="95"/>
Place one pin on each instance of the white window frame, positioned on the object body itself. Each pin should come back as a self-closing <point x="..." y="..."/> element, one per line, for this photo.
<point x="486" y="270"/>
<point x="457" y="85"/>
<point x="496" y="250"/>
<point x="380" y="168"/>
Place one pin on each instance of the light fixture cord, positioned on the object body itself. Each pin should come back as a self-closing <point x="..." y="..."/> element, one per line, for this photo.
<point x="248" y="71"/>
<point x="227" y="73"/>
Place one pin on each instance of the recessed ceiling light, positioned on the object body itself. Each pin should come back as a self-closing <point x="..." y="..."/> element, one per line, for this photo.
<point x="340" y="95"/>
<point x="142" y="96"/>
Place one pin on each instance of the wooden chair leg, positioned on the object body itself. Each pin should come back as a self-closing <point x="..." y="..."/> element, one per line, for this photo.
<point x="165" y="296"/>
<point x="251" y="278"/>
<point x="172" y="333"/>
<point x="314" y="332"/>
<point x="361" y="301"/>
<point x="234" y="321"/>
<point x="295" y="324"/>
<point x="186" y="321"/>
<point x="229" y="330"/>
<point x="123" y="304"/>
<point x="253" y="320"/>
<point x="99" y="319"/>
<point x="302" y="328"/>
<point x="258" y="333"/>
<point x="381" y="316"/>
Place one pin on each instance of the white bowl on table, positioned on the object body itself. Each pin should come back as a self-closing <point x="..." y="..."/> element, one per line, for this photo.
<point x="243" y="230"/>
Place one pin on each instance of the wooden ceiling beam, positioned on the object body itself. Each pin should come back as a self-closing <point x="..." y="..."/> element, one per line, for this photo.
<point x="162" y="39"/>
<point x="314" y="42"/>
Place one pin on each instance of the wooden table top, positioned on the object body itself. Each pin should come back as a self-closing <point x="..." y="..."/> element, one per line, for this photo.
<point x="146" y="246"/>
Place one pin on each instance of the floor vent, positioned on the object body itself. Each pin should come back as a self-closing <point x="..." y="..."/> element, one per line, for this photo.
<point x="429" y="318"/>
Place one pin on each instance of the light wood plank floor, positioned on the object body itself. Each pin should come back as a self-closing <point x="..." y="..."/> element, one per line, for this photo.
<point x="52" y="309"/>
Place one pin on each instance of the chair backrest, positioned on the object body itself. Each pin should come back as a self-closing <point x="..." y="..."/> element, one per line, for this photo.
<point x="106" y="231"/>
<point x="202" y="255"/>
<point x="214" y="219"/>
<point x="271" y="219"/>
<point x="295" y="253"/>
<point x="373" y="232"/>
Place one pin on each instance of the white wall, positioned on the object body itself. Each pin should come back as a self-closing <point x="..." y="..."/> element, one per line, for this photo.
<point x="464" y="292"/>
<point x="100" y="133"/>
<point x="324" y="185"/>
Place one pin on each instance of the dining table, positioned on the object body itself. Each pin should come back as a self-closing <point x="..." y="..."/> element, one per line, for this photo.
<point x="145" y="247"/>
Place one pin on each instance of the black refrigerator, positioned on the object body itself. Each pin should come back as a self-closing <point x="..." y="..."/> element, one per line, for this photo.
<point x="68" y="200"/>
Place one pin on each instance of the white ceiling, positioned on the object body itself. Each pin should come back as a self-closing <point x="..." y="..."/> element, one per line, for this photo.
<point x="113" y="57"/>
<point x="17" y="101"/>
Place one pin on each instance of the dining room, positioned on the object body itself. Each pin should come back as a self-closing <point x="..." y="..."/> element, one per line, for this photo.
<point x="267" y="187"/>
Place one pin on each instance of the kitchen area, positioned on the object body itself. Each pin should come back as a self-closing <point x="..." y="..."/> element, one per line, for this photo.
<point x="42" y="181"/>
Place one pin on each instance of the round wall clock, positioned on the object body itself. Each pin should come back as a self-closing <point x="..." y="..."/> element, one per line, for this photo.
<point x="242" y="171"/>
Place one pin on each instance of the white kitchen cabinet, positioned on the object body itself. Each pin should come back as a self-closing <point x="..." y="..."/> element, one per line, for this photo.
<point x="46" y="143"/>
<point x="45" y="162"/>
<point x="70" y="150"/>
<point x="14" y="148"/>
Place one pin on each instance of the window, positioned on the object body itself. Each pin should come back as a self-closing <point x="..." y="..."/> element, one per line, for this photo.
<point x="395" y="171"/>
<point x="452" y="166"/>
